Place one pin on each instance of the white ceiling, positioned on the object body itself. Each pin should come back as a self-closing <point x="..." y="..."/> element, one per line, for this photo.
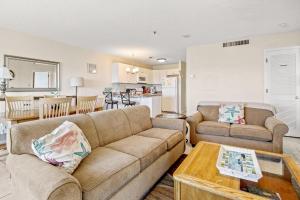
<point x="125" y="27"/>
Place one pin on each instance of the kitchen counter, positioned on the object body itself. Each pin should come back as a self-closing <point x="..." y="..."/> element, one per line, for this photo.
<point x="153" y="101"/>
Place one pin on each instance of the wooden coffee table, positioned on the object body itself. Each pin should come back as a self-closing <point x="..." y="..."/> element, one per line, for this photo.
<point x="198" y="178"/>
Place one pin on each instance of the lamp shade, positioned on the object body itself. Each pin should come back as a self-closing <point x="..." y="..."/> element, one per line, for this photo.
<point x="4" y="73"/>
<point x="76" y="82"/>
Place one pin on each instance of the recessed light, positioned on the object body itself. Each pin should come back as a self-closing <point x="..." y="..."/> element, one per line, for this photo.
<point x="161" y="60"/>
<point x="186" y="36"/>
<point x="283" y="25"/>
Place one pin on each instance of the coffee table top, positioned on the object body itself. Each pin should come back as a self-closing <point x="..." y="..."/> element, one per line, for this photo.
<point x="199" y="169"/>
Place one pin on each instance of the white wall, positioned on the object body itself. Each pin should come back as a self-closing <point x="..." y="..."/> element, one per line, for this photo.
<point x="235" y="73"/>
<point x="73" y="60"/>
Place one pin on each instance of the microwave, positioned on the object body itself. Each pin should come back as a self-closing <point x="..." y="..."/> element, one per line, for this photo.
<point x="141" y="79"/>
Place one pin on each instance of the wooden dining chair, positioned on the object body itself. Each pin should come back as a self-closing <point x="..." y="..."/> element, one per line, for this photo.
<point x="54" y="96"/>
<point x="86" y="104"/>
<point x="19" y="103"/>
<point x="54" y="107"/>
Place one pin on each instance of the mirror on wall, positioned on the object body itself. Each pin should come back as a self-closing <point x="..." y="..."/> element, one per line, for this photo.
<point x="32" y="74"/>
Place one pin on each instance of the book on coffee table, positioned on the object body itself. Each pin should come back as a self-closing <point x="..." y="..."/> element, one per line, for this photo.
<point x="238" y="162"/>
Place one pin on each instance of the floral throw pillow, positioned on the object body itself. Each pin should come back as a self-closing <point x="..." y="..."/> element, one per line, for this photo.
<point x="233" y="114"/>
<point x="64" y="147"/>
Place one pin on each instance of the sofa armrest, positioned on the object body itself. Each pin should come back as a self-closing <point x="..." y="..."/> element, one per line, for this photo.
<point x="193" y="121"/>
<point x="278" y="129"/>
<point x="175" y="124"/>
<point x="35" y="179"/>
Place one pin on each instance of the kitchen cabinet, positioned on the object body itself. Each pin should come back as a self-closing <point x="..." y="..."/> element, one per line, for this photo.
<point x="159" y="75"/>
<point x="122" y="73"/>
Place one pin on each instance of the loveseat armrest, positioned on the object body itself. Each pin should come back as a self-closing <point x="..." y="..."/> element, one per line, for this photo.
<point x="193" y="121"/>
<point x="175" y="124"/>
<point x="278" y="129"/>
<point x="35" y="179"/>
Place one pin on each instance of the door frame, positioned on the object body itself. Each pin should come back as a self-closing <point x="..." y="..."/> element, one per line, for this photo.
<point x="267" y="52"/>
<point x="274" y="51"/>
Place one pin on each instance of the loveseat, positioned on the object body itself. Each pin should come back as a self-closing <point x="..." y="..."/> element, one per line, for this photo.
<point x="130" y="152"/>
<point x="262" y="130"/>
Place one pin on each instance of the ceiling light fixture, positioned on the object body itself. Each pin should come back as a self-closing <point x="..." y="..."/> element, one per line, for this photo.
<point x="186" y="36"/>
<point x="283" y="25"/>
<point x="161" y="60"/>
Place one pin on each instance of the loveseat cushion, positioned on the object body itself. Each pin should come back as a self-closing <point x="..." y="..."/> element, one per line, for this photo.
<point x="104" y="172"/>
<point x="251" y="132"/>
<point x="145" y="148"/>
<point x="139" y="118"/>
<point x="111" y="125"/>
<point x="257" y="116"/>
<point x="172" y="137"/>
<point x="213" y="128"/>
<point x="209" y="112"/>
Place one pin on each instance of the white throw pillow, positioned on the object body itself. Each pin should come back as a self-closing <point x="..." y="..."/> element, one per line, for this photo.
<point x="232" y="113"/>
<point x="64" y="147"/>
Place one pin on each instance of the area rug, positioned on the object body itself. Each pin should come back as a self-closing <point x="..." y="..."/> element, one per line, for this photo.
<point x="164" y="190"/>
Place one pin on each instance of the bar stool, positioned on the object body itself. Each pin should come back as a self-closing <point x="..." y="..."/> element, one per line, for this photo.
<point x="109" y="100"/>
<point x="125" y="97"/>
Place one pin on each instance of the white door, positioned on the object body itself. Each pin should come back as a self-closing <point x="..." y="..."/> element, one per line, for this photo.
<point x="282" y="85"/>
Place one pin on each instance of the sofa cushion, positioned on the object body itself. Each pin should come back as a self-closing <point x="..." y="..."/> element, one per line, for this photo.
<point x="139" y="118"/>
<point x="21" y="135"/>
<point x="213" y="128"/>
<point x="172" y="137"/>
<point x="209" y="112"/>
<point x="251" y="132"/>
<point x="104" y="172"/>
<point x="257" y="116"/>
<point x="111" y="125"/>
<point x="145" y="148"/>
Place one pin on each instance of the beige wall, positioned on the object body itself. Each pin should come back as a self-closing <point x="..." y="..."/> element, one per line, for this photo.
<point x="232" y="73"/>
<point x="73" y="60"/>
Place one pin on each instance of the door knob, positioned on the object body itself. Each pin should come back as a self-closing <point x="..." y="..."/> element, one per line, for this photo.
<point x="296" y="97"/>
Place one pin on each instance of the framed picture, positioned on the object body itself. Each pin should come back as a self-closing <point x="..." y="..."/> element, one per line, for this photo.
<point x="92" y="68"/>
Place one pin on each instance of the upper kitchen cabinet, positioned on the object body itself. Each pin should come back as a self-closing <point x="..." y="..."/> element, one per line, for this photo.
<point x="159" y="75"/>
<point x="123" y="73"/>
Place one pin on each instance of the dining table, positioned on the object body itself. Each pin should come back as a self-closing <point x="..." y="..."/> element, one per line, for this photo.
<point x="8" y="118"/>
<point x="19" y="116"/>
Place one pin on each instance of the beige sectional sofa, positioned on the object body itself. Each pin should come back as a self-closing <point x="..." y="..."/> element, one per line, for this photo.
<point x="262" y="130"/>
<point x="130" y="152"/>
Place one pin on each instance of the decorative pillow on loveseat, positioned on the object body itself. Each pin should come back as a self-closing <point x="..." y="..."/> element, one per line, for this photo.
<point x="64" y="147"/>
<point x="232" y="113"/>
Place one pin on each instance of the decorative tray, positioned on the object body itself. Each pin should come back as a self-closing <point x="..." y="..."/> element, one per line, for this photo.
<point x="238" y="162"/>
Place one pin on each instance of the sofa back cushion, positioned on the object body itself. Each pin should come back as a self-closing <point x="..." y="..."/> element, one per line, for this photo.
<point x="21" y="135"/>
<point x="257" y="116"/>
<point x="111" y="125"/>
<point x="139" y="118"/>
<point x="209" y="112"/>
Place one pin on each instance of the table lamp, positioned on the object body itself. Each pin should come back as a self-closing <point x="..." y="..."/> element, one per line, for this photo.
<point x="4" y="76"/>
<point x="76" y="82"/>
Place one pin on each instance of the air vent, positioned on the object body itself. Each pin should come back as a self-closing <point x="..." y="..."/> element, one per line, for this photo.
<point x="236" y="43"/>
